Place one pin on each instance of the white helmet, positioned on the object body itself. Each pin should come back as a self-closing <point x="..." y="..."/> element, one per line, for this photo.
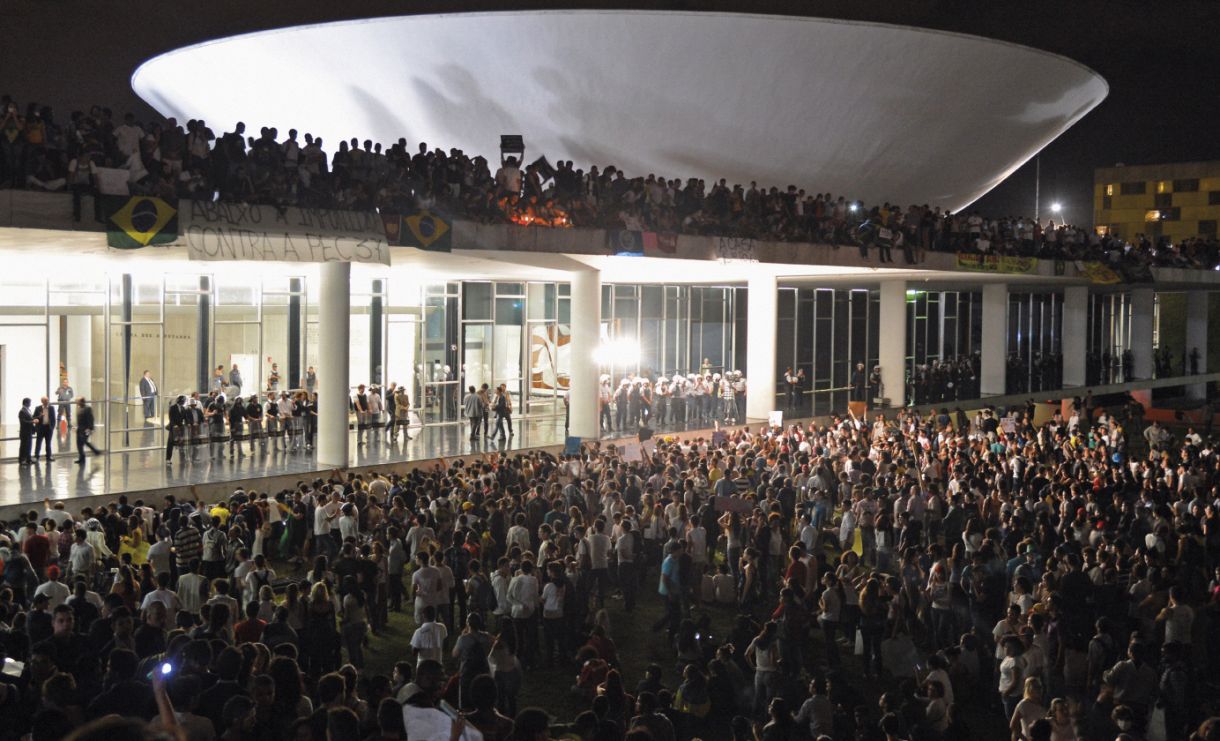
<point x="715" y="376"/>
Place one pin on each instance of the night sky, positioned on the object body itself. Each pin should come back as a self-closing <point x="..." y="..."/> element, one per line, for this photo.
<point x="1161" y="59"/>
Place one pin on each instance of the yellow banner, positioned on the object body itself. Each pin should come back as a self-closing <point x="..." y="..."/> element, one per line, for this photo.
<point x="1098" y="273"/>
<point x="996" y="263"/>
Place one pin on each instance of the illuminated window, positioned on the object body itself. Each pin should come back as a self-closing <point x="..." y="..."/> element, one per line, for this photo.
<point x="1162" y="186"/>
<point x="1152" y="215"/>
<point x="1102" y="230"/>
<point x="1110" y="189"/>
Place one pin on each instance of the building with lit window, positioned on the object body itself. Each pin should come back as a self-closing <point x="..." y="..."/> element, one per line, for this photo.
<point x="1176" y="201"/>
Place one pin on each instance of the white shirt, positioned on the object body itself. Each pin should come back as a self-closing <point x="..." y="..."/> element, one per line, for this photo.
<point x="55" y="591"/>
<point x="58" y="515"/>
<point x="499" y="583"/>
<point x="697" y="537"/>
<point x="167" y="598"/>
<point x="418" y="534"/>
<point x="127" y="138"/>
<point x="598" y="545"/>
<point x="81" y="558"/>
<point x="518" y="535"/>
<point x="429" y="640"/>
<point x="322" y="518"/>
<point x="190" y="588"/>
<point x="349" y="527"/>
<point x="427" y="584"/>
<point x="1178" y="624"/>
<point x="523" y="595"/>
<point x="552" y="599"/>
<point x="159" y="556"/>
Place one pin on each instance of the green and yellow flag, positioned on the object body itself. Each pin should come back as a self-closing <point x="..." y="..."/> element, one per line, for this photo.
<point x="426" y="231"/>
<point x="138" y="221"/>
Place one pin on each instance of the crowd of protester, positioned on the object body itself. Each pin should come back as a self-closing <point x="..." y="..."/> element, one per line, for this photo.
<point x="1061" y="581"/>
<point x="94" y="152"/>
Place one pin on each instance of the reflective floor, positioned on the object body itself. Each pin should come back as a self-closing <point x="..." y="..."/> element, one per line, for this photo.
<point x="146" y="470"/>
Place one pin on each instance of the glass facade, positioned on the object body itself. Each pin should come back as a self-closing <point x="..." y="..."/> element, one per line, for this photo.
<point x="101" y="330"/>
<point x="826" y="332"/>
<point x="944" y="333"/>
<point x="660" y="330"/>
<point x="1109" y="338"/>
<point x="1035" y="336"/>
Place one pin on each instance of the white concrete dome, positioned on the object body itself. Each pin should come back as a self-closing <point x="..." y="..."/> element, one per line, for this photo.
<point x="870" y="111"/>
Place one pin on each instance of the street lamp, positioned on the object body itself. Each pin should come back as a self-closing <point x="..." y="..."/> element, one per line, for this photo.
<point x="1056" y="207"/>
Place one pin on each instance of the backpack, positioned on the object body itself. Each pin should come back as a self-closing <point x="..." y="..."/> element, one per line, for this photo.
<point x="457" y="559"/>
<point x="484" y="594"/>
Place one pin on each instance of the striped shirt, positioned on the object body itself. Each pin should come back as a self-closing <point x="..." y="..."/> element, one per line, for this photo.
<point x="187" y="545"/>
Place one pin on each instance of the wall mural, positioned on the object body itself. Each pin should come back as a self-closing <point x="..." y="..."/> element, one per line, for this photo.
<point x="550" y="345"/>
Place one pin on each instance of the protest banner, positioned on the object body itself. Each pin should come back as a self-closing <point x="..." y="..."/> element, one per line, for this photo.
<point x="243" y="231"/>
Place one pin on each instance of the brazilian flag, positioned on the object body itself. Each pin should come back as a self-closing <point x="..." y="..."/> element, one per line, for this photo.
<point x="138" y="221"/>
<point x="427" y="231"/>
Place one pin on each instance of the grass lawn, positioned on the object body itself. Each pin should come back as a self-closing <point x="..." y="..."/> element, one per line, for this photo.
<point x="638" y="646"/>
<point x="549" y="689"/>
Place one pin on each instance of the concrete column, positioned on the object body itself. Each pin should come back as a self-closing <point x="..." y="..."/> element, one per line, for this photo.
<point x="762" y="328"/>
<point x="1075" y="331"/>
<point x="1198" y="309"/>
<point x="334" y="317"/>
<point x="994" y="361"/>
<point x="585" y="328"/>
<point x="892" y="344"/>
<point x="1143" y="301"/>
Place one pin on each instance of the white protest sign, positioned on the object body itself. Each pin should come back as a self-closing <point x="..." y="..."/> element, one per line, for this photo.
<point x="776" y="418"/>
<point x="243" y="231"/>
<point x="430" y="724"/>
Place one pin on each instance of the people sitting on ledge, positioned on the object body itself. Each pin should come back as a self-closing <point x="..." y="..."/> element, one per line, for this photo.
<point x="93" y="153"/>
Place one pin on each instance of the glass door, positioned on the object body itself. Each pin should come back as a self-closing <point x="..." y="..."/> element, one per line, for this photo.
<point x="508" y="342"/>
<point x="403" y="362"/>
<point x="548" y="351"/>
<point x="438" y="393"/>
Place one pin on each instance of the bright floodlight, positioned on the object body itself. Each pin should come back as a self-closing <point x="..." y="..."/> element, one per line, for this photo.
<point x="618" y="352"/>
<point x="1056" y="207"/>
<point x="675" y="94"/>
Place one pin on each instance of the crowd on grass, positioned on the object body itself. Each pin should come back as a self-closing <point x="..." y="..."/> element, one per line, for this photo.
<point x="92" y="152"/>
<point x="1061" y="582"/>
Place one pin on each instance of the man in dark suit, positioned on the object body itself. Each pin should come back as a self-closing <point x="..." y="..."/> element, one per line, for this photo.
<point x="177" y="428"/>
<point x="148" y="393"/>
<point x="44" y="425"/>
<point x="84" y="430"/>
<point x="25" y="432"/>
